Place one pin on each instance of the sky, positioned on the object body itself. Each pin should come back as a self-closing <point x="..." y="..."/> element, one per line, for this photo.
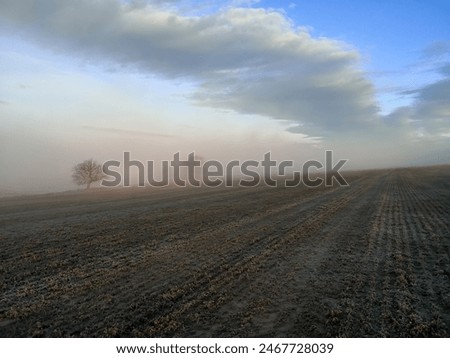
<point x="227" y="79"/>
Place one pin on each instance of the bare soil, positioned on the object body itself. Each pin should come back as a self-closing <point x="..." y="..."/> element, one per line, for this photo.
<point x="368" y="260"/>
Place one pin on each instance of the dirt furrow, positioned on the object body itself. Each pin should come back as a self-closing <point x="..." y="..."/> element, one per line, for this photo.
<point x="254" y="263"/>
<point x="368" y="260"/>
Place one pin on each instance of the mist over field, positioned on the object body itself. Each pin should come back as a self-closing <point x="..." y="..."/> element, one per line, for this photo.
<point x="226" y="79"/>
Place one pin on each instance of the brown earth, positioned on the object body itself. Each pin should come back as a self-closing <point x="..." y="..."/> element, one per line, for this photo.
<point x="368" y="260"/>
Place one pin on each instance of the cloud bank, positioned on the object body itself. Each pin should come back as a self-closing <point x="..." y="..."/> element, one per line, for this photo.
<point x="249" y="60"/>
<point x="244" y="59"/>
<point x="428" y="117"/>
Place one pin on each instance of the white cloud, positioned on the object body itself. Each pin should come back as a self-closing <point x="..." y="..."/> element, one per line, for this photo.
<point x="244" y="59"/>
<point x="429" y="113"/>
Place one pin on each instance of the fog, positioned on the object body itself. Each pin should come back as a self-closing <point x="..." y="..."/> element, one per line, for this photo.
<point x="152" y="80"/>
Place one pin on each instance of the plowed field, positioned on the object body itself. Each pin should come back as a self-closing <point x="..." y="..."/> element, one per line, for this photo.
<point x="368" y="260"/>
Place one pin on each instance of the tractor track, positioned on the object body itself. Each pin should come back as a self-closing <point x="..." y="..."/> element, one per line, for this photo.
<point x="369" y="260"/>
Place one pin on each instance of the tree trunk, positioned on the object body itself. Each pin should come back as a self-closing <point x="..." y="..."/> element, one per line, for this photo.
<point x="88" y="185"/>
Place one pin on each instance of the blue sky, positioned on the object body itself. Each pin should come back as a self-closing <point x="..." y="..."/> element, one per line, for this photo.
<point x="227" y="79"/>
<point x="391" y="35"/>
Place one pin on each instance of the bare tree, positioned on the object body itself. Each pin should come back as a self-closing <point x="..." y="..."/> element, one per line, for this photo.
<point x="87" y="172"/>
